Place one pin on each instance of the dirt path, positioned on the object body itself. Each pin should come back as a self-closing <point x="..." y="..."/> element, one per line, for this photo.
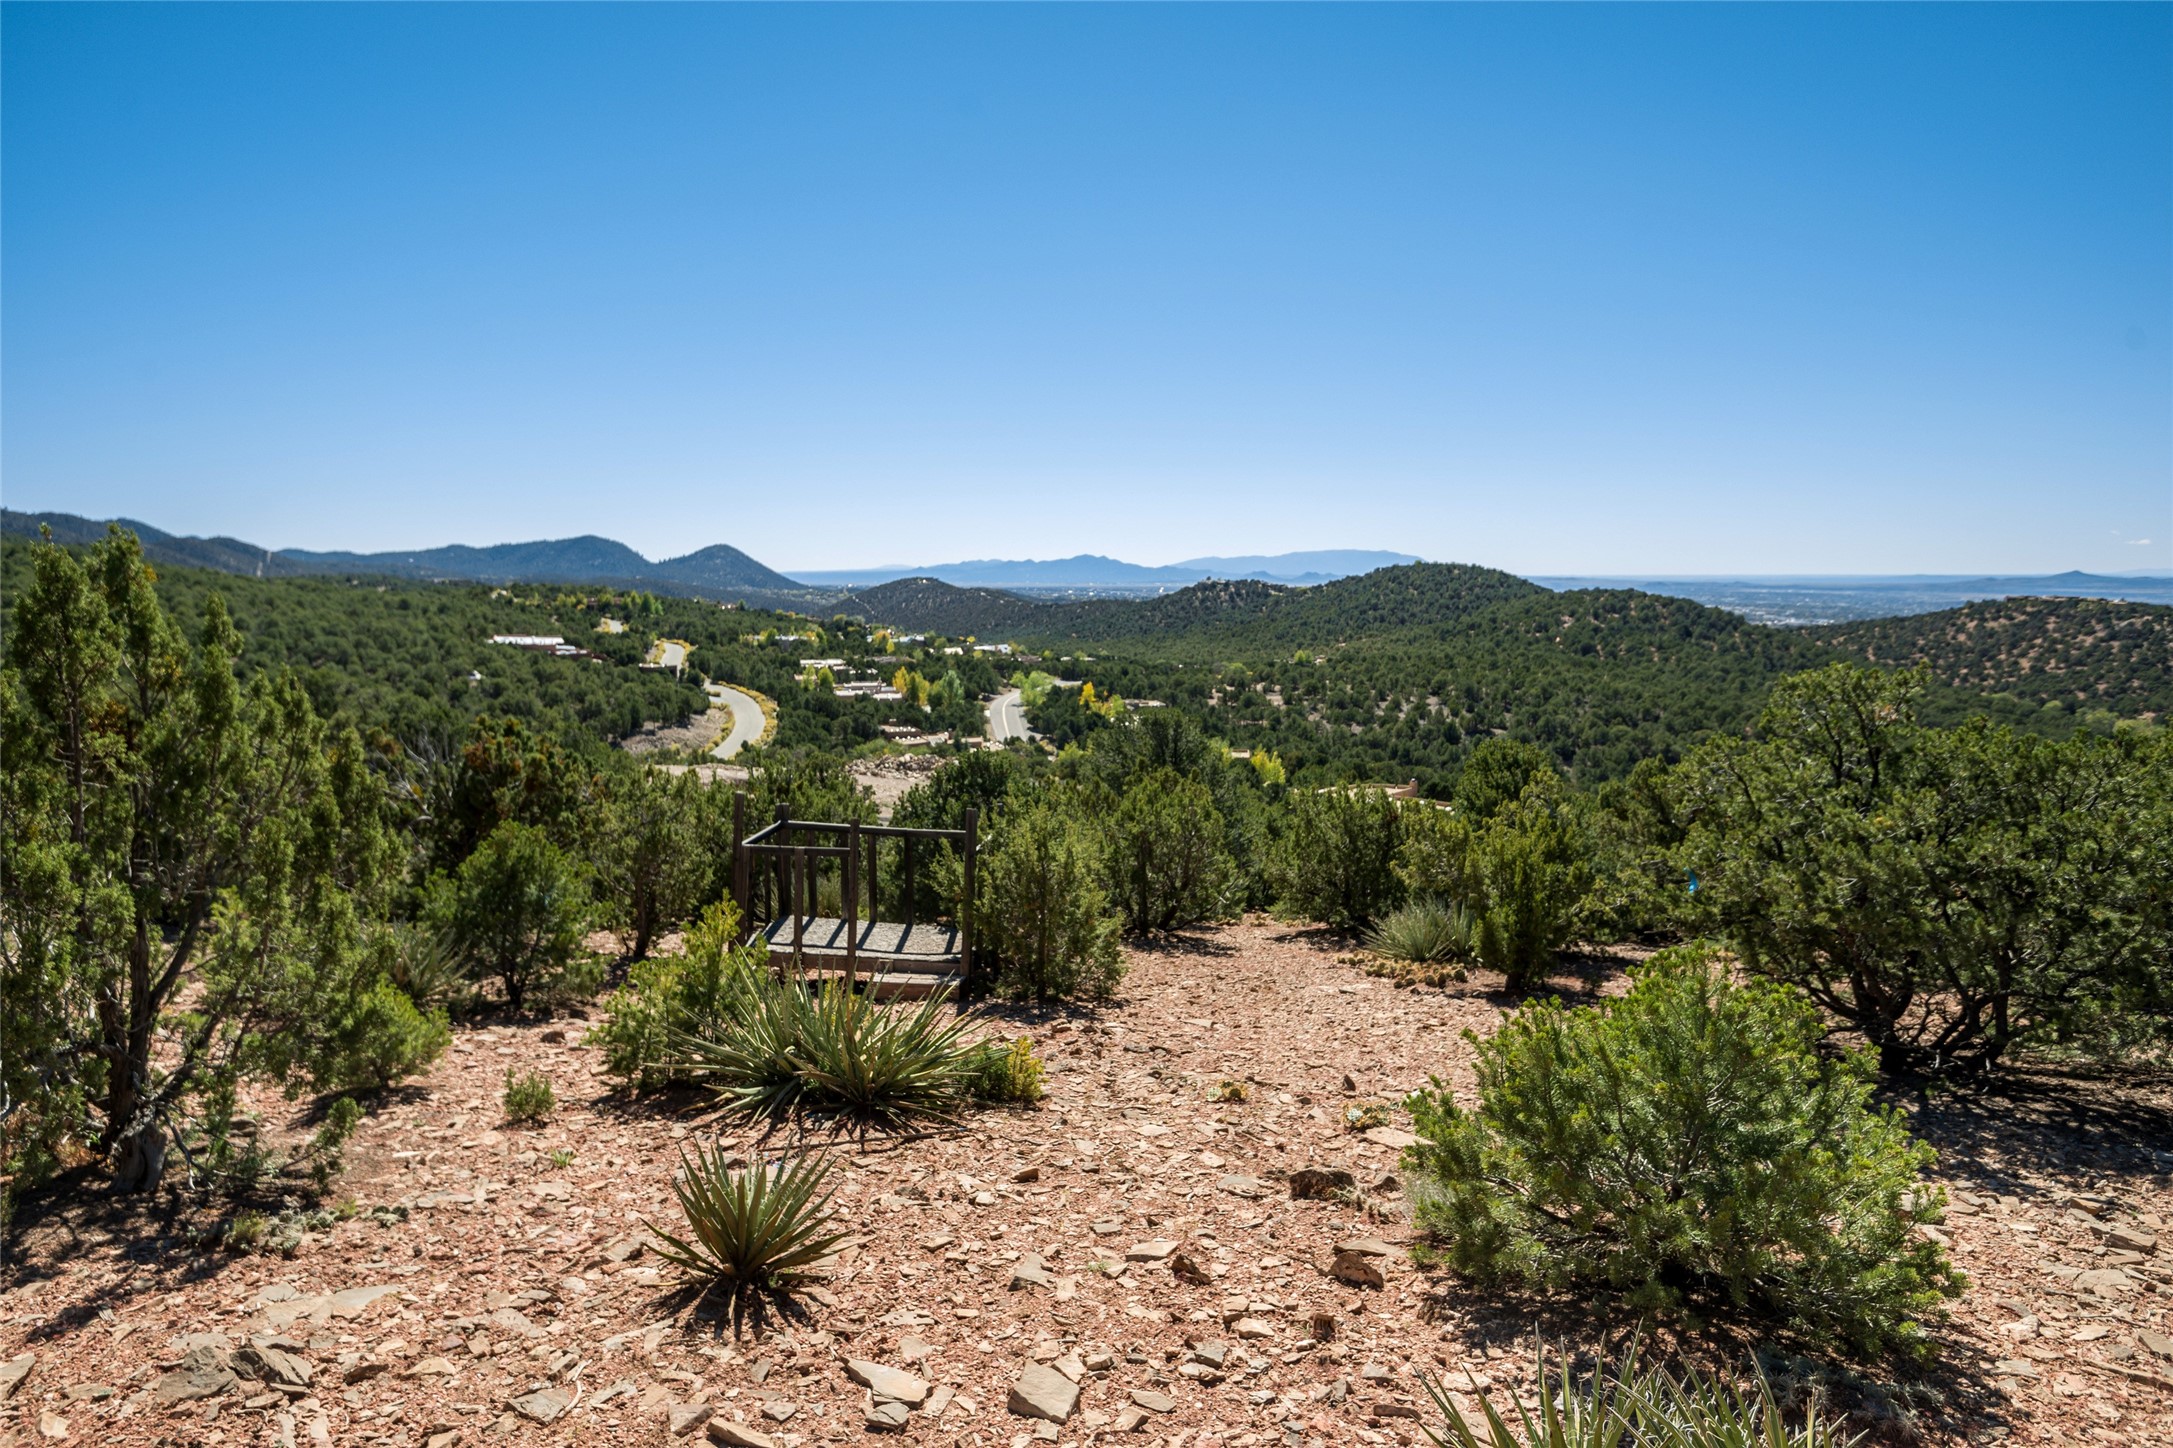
<point x="516" y="1274"/>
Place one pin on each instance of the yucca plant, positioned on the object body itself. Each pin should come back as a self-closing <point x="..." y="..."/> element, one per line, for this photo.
<point x="1648" y="1407"/>
<point x="884" y="1066"/>
<point x="759" y="1228"/>
<point x="753" y="1057"/>
<point x="1425" y="932"/>
<point x="837" y="1050"/>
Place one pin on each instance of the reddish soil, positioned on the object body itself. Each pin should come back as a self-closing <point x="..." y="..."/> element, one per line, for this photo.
<point x="514" y="1269"/>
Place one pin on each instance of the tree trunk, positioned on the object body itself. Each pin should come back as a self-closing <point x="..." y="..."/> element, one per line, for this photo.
<point x="140" y="1159"/>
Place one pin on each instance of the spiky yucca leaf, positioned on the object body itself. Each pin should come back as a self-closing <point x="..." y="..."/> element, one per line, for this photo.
<point x="1647" y="1407"/>
<point x="754" y="1058"/>
<point x="887" y="1066"/>
<point x="1424" y="932"/>
<point x="755" y="1228"/>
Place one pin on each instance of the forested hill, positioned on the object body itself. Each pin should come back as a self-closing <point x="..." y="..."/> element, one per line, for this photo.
<point x="717" y="571"/>
<point x="2069" y="652"/>
<point x="1225" y="613"/>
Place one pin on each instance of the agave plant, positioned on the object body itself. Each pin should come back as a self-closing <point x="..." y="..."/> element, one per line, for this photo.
<point x="760" y="1228"/>
<point x="1647" y="1407"/>
<point x="1424" y="932"/>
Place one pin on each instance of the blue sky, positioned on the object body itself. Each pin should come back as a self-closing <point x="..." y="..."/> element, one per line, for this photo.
<point x="1563" y="289"/>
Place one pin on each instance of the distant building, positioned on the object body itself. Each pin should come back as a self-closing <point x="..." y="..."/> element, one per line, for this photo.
<point x="811" y="665"/>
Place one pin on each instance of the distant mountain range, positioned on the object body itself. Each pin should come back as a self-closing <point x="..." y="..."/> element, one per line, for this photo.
<point x="989" y="595"/>
<point x="1832" y="598"/>
<point x="718" y="570"/>
<point x="1094" y="573"/>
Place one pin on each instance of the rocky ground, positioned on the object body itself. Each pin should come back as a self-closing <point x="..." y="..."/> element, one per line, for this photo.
<point x="1139" y="1259"/>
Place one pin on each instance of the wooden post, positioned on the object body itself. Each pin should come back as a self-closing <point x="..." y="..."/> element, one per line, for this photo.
<point x="875" y="881"/>
<point x="799" y="919"/>
<point x="849" y="888"/>
<point x="907" y="842"/>
<point x="740" y="873"/>
<point x="965" y="913"/>
<point x="784" y="896"/>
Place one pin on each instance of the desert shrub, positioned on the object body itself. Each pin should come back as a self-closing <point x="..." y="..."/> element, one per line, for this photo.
<point x="1006" y="1073"/>
<point x="381" y="1037"/>
<point x="1425" y="932"/>
<point x="1337" y="862"/>
<point x="667" y="998"/>
<point x="1686" y="1145"/>
<point x="528" y="1095"/>
<point x="1041" y="920"/>
<point x="515" y="909"/>
<point x="1636" y="1404"/>
<point x="1524" y="871"/>
<point x="1951" y="893"/>
<point x="1164" y="862"/>
<point x="753" y="1229"/>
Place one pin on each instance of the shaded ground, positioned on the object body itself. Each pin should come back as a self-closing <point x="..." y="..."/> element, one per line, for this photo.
<point x="517" y="1266"/>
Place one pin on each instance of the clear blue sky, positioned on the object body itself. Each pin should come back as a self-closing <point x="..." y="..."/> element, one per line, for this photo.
<point x="1561" y="289"/>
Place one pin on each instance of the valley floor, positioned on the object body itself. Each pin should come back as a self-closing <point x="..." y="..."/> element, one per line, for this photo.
<point x="514" y="1288"/>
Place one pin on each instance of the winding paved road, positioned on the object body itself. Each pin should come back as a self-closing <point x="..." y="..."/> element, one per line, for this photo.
<point x="1007" y="717"/>
<point x="746" y="719"/>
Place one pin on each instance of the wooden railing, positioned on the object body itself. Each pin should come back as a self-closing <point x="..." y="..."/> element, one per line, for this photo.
<point x="778" y="869"/>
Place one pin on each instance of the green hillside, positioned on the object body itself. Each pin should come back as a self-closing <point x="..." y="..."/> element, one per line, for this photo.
<point x="2070" y="653"/>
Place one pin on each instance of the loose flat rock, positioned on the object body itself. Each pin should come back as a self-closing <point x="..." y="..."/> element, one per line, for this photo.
<point x="1390" y="1136"/>
<point x="2132" y="1239"/>
<point x="684" y="1418"/>
<point x="435" y="1367"/>
<point x="2104" y="1281"/>
<point x="204" y="1373"/>
<point x="12" y="1373"/>
<point x="1153" y="1401"/>
<point x="547" y="1405"/>
<point x="1366" y="1247"/>
<point x="1356" y="1270"/>
<point x="1131" y="1420"/>
<point x="354" y="1301"/>
<point x="2157" y="1342"/>
<point x="1320" y="1183"/>
<point x="1043" y="1392"/>
<point x="887" y="1415"/>
<point x="738" y="1435"/>
<point x="1184" y="1269"/>
<point x="1030" y="1271"/>
<point x="1243" y="1186"/>
<point x="271" y="1364"/>
<point x="887" y="1382"/>
<point x="1154" y="1251"/>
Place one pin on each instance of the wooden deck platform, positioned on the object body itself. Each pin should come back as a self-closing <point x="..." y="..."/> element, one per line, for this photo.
<point x="895" y="959"/>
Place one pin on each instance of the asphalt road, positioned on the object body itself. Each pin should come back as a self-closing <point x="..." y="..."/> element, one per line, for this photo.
<point x="746" y="719"/>
<point x="1007" y="717"/>
<point x="670" y="653"/>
